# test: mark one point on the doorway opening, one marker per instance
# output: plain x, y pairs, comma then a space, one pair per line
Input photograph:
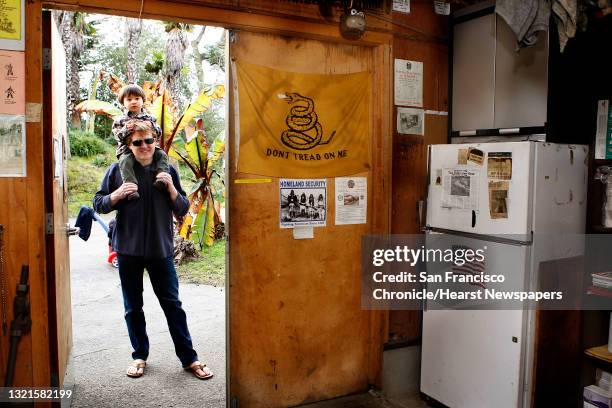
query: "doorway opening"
181, 68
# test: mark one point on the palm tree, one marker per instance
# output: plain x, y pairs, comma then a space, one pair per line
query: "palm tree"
198, 57
73, 29
133, 27
176, 44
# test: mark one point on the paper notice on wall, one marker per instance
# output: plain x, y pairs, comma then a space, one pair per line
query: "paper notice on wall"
12, 146
460, 188
410, 121
408, 83
401, 6
12, 18
476, 156
442, 8
499, 165
603, 135
303, 202
351, 200
498, 196
12, 82
462, 156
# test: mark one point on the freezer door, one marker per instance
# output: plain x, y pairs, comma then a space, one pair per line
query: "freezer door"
459, 198
473, 358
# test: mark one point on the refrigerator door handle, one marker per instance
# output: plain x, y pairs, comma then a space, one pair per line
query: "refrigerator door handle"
420, 211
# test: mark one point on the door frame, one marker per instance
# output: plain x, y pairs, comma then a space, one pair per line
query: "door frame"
230, 17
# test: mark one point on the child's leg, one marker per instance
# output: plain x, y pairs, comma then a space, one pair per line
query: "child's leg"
160, 160
126, 168
160, 163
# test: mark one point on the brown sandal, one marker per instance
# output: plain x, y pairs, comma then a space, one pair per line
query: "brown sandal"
194, 369
139, 366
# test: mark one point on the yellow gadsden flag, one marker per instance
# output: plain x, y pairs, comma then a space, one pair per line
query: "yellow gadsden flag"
302, 125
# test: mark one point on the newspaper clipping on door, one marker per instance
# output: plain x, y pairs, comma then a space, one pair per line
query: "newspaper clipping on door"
460, 188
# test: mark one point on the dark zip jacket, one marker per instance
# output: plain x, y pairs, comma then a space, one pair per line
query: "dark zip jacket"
144, 226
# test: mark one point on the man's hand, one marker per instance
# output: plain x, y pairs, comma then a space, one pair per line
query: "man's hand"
122, 192
166, 178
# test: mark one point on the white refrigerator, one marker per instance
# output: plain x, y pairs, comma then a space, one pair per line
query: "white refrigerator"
502, 196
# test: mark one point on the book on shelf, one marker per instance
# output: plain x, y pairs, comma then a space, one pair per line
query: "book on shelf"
602, 279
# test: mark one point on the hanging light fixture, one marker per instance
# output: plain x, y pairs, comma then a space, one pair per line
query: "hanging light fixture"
352, 23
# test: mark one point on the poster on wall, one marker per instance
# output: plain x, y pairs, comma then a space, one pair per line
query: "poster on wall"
410, 121
12, 82
303, 202
401, 6
12, 146
351, 200
12, 22
408, 83
302, 125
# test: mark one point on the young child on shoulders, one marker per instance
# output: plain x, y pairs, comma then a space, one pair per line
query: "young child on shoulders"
132, 98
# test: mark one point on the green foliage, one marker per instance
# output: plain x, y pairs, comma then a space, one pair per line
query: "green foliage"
83, 181
215, 54
207, 270
155, 62
103, 129
103, 160
85, 144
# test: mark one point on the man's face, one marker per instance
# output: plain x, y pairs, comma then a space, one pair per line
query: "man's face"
133, 103
144, 152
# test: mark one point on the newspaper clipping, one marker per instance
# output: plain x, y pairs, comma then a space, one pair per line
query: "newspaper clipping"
498, 194
303, 202
351, 200
499, 165
460, 188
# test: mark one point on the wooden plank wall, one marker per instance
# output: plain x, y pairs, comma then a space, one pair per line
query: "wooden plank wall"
23, 206
297, 331
22, 212
410, 152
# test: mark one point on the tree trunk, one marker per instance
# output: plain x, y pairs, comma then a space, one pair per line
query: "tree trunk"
69, 34
175, 59
198, 58
133, 27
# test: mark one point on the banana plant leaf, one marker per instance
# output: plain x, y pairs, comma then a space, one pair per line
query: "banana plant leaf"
204, 224
114, 83
197, 150
98, 107
161, 111
197, 107
152, 91
216, 152
196, 200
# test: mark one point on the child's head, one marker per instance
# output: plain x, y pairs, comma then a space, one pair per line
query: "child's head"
141, 127
132, 97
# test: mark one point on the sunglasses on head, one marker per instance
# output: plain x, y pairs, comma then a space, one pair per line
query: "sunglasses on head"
148, 141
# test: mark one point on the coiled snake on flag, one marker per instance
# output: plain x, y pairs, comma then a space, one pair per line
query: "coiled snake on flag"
302, 119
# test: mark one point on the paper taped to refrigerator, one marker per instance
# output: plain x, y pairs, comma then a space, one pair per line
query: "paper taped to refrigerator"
460, 188
499, 165
498, 195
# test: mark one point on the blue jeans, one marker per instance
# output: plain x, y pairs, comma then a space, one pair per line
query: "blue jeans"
165, 285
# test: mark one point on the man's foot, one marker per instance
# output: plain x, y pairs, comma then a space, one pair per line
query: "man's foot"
133, 196
200, 370
136, 368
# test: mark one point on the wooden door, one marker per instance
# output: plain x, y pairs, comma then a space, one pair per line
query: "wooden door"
297, 333
56, 194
